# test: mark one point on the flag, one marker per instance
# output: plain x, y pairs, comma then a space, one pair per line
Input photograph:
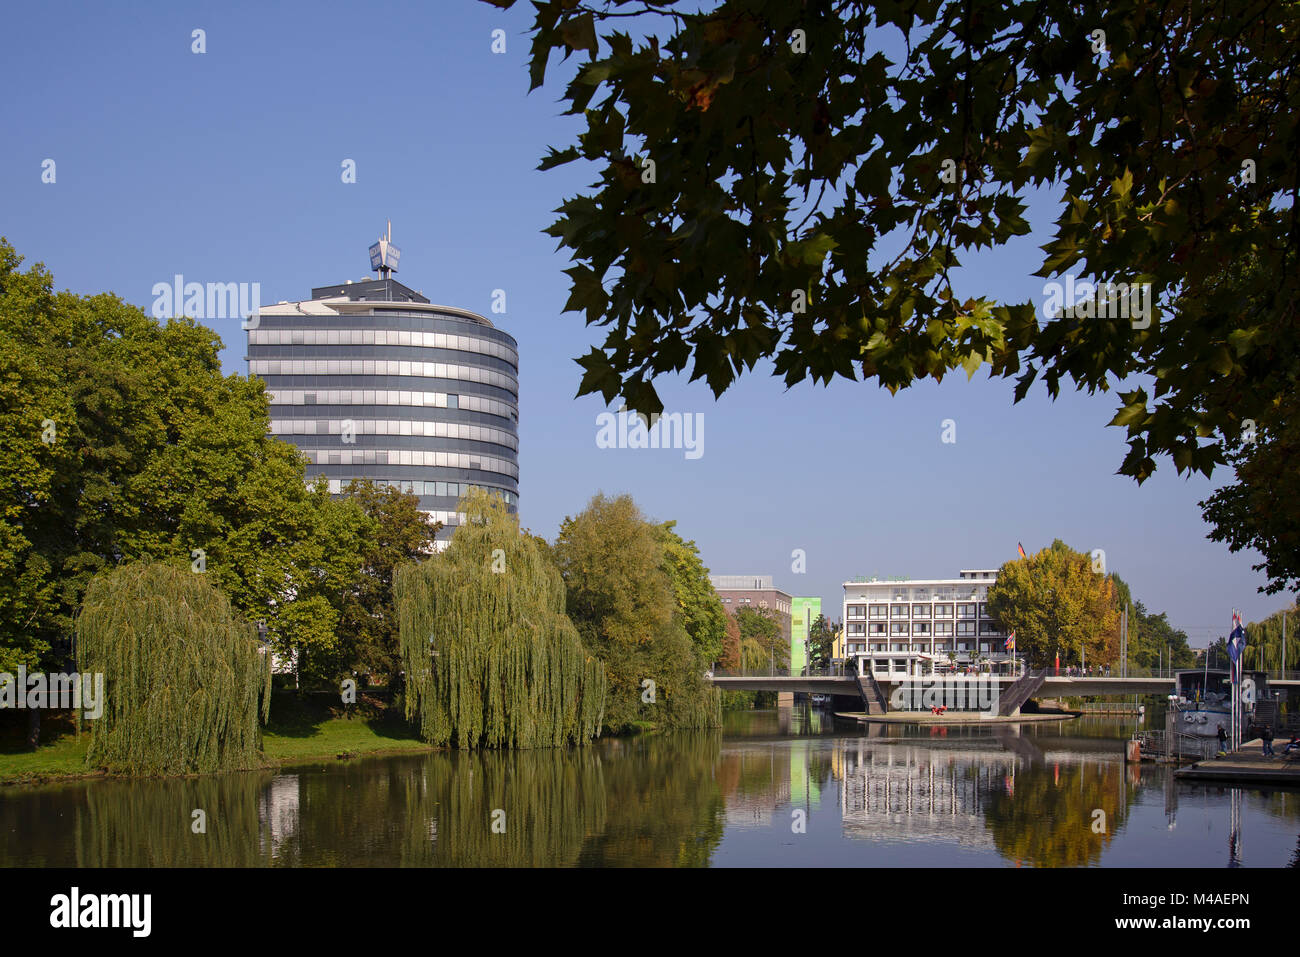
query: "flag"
1011, 642
1022, 550
1237, 638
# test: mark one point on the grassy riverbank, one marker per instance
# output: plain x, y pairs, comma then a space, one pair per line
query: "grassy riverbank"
301, 730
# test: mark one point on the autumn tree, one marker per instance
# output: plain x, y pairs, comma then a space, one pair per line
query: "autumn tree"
1057, 604
730, 658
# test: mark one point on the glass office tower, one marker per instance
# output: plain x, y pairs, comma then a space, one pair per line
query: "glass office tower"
370, 380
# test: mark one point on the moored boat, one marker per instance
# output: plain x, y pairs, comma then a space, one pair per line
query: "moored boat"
1203, 700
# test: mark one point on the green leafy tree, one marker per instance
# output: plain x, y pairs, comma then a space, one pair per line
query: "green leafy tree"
1152, 640
1217, 654
1056, 603
30, 611
490, 657
127, 443
761, 633
1158, 642
398, 532
1261, 510
797, 182
621, 599
821, 641
698, 604
1264, 642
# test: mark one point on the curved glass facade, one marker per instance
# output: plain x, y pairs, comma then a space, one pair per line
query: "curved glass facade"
372, 381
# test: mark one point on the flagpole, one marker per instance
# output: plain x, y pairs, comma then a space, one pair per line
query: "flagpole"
1232, 680
1232, 687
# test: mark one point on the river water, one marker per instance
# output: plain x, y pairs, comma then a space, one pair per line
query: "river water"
787, 787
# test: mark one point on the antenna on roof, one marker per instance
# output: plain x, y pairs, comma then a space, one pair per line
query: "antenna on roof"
384, 255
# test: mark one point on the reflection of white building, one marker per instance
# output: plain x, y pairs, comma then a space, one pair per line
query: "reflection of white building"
911, 627
277, 811
747, 811
915, 793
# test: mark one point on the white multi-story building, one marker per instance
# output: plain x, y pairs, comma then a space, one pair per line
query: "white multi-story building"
918, 625
372, 381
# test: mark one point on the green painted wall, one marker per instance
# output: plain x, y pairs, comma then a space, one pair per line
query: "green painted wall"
803, 612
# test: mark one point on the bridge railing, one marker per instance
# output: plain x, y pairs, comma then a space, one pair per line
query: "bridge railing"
1177, 743
838, 671
1136, 671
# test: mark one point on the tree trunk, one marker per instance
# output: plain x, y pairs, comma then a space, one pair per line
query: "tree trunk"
33, 728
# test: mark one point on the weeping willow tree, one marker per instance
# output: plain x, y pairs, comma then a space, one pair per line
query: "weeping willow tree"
183, 674
491, 659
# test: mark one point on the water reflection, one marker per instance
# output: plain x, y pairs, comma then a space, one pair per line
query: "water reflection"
778, 787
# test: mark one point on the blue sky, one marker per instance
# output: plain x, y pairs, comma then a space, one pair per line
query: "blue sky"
225, 167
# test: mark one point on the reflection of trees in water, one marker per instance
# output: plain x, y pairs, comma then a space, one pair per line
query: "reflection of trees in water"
821, 764
644, 801
551, 800
1046, 818
756, 774
665, 805
149, 823
1283, 804
437, 810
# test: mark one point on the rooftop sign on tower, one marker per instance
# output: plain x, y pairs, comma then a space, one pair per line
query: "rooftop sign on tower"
384, 255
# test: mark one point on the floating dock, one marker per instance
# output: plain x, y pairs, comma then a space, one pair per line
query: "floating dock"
1247, 765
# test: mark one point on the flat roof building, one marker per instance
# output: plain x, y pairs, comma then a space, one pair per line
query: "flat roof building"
754, 591
905, 623
372, 381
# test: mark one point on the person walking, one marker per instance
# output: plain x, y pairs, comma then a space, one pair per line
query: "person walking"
1223, 740
1266, 735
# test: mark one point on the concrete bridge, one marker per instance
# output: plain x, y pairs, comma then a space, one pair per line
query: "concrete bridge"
1052, 686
